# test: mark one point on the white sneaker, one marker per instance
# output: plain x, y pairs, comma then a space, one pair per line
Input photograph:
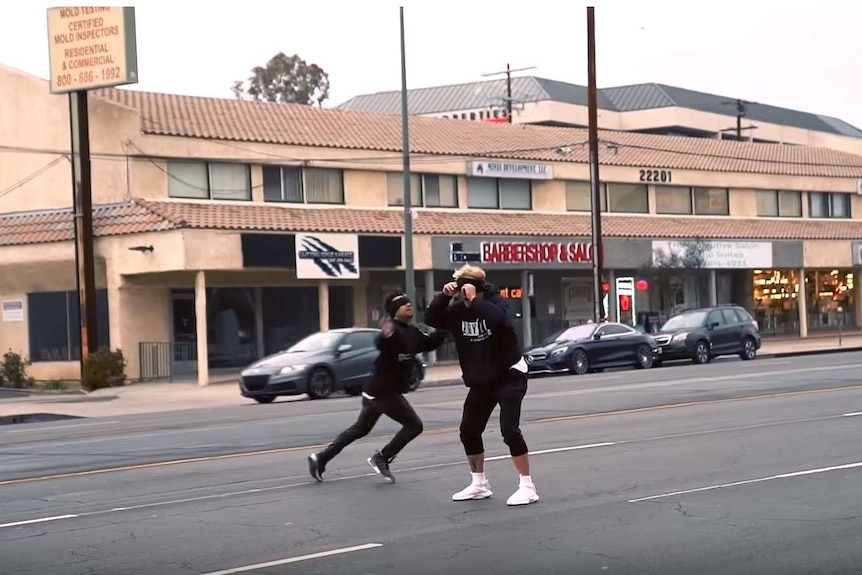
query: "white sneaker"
481, 491
525, 495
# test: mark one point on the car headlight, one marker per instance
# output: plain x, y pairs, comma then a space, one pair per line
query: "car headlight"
559, 351
292, 369
680, 336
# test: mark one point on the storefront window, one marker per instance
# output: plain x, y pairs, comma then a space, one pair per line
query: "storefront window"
830, 299
776, 294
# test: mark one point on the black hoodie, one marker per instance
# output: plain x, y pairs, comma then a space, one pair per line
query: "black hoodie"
393, 368
484, 335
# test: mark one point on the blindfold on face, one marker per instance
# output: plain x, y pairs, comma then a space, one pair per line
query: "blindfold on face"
479, 284
396, 303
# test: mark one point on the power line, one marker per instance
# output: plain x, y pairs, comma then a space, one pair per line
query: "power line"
27, 179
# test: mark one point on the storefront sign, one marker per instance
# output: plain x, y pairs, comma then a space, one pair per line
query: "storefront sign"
625, 300
518, 170
857, 253
721, 255
523, 253
12, 310
327, 256
511, 292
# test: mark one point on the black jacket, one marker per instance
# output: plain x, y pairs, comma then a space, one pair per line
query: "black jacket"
484, 335
393, 368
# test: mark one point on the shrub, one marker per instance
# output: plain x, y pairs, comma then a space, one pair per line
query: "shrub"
13, 371
103, 368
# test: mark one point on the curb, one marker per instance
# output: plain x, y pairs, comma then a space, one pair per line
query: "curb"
804, 352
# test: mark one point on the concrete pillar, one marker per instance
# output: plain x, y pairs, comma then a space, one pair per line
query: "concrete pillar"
526, 310
611, 311
323, 305
430, 289
201, 328
802, 305
713, 288
258, 322
360, 305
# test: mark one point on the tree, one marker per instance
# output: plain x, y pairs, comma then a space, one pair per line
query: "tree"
285, 79
668, 269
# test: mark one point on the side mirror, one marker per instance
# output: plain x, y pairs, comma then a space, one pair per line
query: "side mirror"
713, 325
597, 336
344, 347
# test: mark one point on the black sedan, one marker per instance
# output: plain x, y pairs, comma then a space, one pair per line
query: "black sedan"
318, 365
592, 347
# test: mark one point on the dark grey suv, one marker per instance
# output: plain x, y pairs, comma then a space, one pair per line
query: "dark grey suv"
320, 364
704, 333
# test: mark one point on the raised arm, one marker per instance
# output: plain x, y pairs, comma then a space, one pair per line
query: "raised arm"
438, 314
491, 308
430, 342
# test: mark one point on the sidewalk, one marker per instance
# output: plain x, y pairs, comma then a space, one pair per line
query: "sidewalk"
159, 397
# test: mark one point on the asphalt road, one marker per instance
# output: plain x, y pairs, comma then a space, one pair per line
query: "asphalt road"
727, 468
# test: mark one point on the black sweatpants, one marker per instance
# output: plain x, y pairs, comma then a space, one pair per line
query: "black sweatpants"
395, 407
480, 403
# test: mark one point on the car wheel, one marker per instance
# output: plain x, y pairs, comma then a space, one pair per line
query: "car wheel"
749, 349
701, 353
265, 398
320, 384
580, 363
645, 357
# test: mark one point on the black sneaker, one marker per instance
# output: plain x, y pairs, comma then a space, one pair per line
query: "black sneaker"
315, 467
381, 466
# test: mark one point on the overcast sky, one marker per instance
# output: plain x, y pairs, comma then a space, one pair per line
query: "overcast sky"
795, 54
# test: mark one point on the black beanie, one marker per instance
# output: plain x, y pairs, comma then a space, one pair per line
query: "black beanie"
394, 302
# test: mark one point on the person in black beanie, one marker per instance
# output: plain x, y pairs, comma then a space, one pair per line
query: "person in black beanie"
493, 369
399, 341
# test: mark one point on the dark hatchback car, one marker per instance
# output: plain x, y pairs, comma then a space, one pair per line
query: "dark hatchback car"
591, 347
702, 334
320, 364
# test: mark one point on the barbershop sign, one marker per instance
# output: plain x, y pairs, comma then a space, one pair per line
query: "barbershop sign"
511, 170
522, 253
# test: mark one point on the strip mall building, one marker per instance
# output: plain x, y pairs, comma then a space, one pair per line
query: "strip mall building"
211, 215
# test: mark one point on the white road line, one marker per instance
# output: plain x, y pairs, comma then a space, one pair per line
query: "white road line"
41, 520
555, 450
749, 481
55, 427
295, 559
852, 414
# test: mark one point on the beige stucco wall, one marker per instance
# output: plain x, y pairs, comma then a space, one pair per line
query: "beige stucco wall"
827, 254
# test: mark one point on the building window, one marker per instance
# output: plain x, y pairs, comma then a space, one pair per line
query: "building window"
209, 180
579, 197
828, 205
674, 200
779, 204
55, 332
711, 202
428, 190
497, 193
293, 184
627, 198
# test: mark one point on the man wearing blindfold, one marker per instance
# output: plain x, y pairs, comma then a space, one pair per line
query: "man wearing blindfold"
399, 341
493, 369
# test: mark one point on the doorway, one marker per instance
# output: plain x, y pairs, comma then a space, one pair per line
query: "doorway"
183, 345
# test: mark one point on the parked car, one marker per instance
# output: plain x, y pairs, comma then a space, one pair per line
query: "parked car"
320, 364
704, 333
592, 347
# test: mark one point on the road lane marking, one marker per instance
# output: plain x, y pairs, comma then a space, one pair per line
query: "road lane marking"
852, 414
55, 427
297, 559
750, 481
250, 491
439, 431
40, 520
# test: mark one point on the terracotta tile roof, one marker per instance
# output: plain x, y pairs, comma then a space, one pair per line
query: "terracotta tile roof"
45, 227
292, 124
147, 216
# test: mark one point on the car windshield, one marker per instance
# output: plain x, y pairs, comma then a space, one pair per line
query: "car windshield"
315, 342
689, 320
572, 333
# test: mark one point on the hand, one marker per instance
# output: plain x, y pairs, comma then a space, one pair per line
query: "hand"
450, 289
469, 292
386, 327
